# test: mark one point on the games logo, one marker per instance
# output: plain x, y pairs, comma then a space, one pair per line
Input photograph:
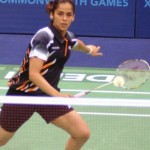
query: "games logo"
102, 3
29, 2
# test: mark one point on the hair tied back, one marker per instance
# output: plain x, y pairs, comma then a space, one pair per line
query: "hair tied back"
49, 6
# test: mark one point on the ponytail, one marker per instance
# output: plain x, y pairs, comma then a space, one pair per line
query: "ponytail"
53, 4
49, 7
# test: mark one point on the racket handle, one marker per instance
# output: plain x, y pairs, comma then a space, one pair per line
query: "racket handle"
81, 94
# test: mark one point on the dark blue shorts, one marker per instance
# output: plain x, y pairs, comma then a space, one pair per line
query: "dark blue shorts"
12, 116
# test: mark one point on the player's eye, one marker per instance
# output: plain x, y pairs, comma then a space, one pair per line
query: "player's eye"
69, 14
60, 14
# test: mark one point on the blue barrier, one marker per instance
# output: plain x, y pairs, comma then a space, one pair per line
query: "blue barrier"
115, 51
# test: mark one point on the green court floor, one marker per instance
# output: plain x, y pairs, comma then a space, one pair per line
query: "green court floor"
112, 128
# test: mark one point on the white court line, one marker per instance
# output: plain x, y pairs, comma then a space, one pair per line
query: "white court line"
114, 114
10, 74
97, 91
3, 88
101, 91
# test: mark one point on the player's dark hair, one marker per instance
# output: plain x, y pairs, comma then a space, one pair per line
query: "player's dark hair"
53, 5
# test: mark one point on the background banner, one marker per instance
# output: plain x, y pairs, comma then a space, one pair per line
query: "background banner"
143, 19
105, 18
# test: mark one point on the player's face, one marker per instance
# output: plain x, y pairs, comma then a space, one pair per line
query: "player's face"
62, 17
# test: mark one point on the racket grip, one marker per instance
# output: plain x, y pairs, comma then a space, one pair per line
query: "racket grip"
80, 94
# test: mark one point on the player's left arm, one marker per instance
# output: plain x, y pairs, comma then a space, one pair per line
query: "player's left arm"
89, 49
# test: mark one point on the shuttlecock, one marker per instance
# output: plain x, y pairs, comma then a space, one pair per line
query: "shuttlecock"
118, 81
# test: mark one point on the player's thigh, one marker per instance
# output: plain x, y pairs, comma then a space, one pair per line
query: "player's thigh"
73, 123
5, 136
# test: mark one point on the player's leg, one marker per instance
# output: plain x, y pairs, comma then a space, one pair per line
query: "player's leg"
5, 136
73, 123
7, 120
11, 119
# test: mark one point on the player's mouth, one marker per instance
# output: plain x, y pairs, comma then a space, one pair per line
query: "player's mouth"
64, 25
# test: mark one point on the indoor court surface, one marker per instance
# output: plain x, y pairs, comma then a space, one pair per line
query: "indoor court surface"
112, 128
119, 119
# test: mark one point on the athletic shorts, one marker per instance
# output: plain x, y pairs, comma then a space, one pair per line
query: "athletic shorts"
12, 116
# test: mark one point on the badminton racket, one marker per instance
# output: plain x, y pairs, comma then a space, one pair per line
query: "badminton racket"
134, 73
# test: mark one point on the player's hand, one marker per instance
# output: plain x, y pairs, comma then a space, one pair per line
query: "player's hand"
94, 50
65, 95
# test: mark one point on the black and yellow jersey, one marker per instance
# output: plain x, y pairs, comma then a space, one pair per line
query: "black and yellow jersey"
48, 45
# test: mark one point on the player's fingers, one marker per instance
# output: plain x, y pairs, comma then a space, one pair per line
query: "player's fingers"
98, 47
97, 54
100, 54
68, 95
96, 50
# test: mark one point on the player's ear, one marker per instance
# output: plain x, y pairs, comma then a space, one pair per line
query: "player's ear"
51, 16
73, 18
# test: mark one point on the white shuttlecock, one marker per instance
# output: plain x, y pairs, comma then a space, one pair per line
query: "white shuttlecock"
119, 81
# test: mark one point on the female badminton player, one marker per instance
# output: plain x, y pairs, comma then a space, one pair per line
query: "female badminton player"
39, 74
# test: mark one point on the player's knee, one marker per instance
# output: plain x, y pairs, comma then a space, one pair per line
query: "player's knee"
84, 134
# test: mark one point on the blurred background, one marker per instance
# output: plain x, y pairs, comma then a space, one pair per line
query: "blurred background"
120, 27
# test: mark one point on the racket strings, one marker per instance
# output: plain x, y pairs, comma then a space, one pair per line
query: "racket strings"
134, 72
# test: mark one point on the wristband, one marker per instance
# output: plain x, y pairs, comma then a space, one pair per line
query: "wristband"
91, 50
